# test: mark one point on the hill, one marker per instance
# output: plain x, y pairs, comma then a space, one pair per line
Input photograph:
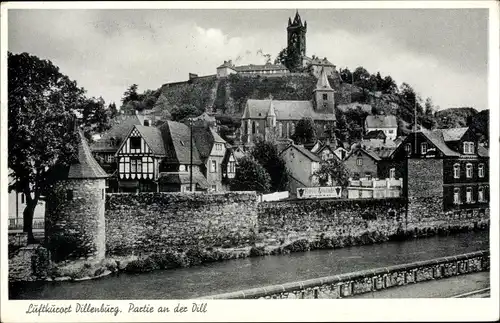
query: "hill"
226, 97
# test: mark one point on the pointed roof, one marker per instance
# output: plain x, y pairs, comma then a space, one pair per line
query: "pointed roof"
152, 137
120, 128
437, 138
176, 140
86, 167
304, 151
453, 134
323, 84
271, 112
297, 19
204, 139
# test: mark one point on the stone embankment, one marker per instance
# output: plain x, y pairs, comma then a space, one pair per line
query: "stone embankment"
345, 285
151, 231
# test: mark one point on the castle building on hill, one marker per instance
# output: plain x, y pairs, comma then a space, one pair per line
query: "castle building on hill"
296, 49
279, 118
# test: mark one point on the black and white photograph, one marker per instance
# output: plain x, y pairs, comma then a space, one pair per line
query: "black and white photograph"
234, 152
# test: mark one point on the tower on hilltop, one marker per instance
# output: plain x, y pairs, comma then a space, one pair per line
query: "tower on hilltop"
296, 47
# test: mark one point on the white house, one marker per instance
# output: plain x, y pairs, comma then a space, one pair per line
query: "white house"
386, 123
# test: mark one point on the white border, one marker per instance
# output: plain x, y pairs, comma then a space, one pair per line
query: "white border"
281, 310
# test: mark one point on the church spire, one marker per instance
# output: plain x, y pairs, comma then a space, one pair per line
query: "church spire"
323, 82
271, 114
297, 20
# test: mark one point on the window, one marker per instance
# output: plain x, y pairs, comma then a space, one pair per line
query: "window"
214, 187
456, 195
218, 147
468, 147
480, 170
391, 131
468, 195
368, 175
253, 127
22, 198
135, 165
325, 96
456, 171
423, 148
69, 195
146, 123
231, 167
108, 158
468, 170
392, 173
480, 194
213, 166
102, 193
408, 148
135, 143
359, 162
292, 131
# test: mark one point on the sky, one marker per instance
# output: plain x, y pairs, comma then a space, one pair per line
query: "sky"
441, 53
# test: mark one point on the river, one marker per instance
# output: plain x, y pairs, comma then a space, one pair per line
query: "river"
238, 274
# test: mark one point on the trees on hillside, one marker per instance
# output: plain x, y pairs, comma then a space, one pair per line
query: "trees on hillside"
305, 132
41, 106
180, 113
250, 176
266, 153
289, 57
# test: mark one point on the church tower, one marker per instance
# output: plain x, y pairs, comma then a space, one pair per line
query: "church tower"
296, 40
324, 99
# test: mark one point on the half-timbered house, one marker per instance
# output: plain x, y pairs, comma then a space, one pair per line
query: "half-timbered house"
154, 159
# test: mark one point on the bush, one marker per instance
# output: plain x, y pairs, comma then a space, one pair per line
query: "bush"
141, 265
257, 251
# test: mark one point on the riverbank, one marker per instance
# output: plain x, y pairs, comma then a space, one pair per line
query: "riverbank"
32, 264
251, 272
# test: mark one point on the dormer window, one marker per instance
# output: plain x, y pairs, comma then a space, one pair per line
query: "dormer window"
468, 147
146, 123
408, 148
423, 148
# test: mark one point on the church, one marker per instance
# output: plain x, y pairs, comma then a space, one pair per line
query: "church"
278, 118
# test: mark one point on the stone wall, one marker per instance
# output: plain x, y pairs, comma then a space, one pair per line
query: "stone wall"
74, 225
350, 222
155, 222
371, 280
315, 218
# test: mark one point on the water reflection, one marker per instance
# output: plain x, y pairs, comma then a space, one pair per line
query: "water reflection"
252, 272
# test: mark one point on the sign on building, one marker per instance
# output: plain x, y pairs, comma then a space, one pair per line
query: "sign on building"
319, 192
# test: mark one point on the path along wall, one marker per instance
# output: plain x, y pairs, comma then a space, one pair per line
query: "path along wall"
153, 222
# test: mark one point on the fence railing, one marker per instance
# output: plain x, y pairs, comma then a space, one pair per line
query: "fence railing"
17, 224
371, 280
388, 182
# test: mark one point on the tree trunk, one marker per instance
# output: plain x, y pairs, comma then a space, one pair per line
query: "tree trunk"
28, 213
